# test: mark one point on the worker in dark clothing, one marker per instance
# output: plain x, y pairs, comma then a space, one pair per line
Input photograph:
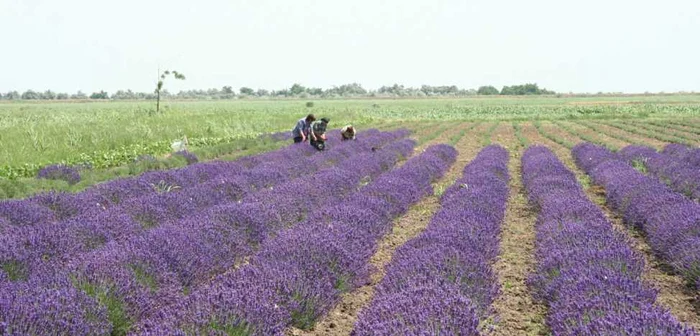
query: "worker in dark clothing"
301, 129
317, 133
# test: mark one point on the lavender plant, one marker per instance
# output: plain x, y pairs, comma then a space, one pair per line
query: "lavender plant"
670, 221
59, 172
587, 273
442, 281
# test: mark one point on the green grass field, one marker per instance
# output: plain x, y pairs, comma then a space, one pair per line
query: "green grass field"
109, 135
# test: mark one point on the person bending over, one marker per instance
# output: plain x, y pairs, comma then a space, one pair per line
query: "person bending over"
301, 129
317, 134
347, 133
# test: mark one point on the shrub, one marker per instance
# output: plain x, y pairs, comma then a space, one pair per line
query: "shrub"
60, 172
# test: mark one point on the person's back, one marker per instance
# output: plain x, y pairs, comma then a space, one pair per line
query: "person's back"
347, 133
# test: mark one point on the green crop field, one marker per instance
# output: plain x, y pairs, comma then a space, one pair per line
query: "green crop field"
108, 136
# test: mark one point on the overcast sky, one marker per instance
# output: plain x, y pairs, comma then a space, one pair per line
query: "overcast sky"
579, 46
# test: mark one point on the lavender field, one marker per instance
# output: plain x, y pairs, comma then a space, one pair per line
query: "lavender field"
433, 228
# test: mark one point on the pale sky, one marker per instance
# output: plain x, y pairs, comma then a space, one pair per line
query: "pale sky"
579, 46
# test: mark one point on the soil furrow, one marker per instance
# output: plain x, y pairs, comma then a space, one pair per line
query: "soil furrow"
516, 311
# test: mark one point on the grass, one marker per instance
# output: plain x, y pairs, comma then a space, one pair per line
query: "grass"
634, 129
594, 128
23, 187
110, 135
665, 130
42, 133
586, 137
674, 126
552, 137
522, 140
116, 312
486, 140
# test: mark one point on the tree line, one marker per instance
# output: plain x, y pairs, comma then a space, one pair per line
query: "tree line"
295, 91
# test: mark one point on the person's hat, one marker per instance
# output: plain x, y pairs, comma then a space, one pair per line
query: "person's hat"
325, 120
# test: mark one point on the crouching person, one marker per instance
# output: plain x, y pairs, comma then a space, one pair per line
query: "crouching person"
347, 133
317, 133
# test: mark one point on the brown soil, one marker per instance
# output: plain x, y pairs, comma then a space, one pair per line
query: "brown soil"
517, 313
341, 320
673, 294
638, 139
597, 135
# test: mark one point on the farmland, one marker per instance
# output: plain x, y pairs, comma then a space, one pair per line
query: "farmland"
515, 216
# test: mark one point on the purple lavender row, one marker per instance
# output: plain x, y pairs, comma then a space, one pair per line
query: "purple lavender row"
57, 206
676, 173
442, 280
690, 155
587, 273
670, 221
137, 278
299, 275
51, 245
182, 256
56, 243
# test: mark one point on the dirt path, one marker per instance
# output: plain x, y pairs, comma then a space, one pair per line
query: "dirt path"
673, 293
634, 138
517, 312
341, 320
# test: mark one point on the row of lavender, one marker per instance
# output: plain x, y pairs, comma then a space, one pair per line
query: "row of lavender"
670, 221
586, 272
677, 173
133, 278
441, 282
28, 247
690, 155
299, 275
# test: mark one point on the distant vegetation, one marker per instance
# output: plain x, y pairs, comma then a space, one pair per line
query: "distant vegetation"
294, 91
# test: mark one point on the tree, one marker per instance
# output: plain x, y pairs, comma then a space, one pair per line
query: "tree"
159, 86
524, 89
48, 94
78, 95
246, 91
260, 92
227, 90
487, 90
99, 95
62, 96
13, 95
297, 89
30, 95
